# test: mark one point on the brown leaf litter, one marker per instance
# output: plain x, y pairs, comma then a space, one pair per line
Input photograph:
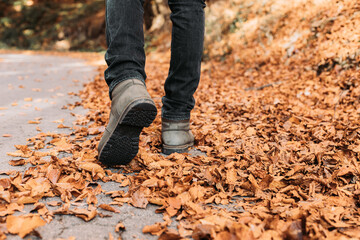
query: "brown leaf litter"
282, 161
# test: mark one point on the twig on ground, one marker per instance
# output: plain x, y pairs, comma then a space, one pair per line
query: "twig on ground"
263, 86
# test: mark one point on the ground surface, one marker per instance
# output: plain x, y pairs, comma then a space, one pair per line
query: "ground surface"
36, 87
277, 114
48, 80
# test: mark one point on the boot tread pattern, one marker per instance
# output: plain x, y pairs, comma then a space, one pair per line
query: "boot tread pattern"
123, 144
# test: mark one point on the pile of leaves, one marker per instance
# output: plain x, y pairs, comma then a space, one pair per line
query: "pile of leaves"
280, 128
318, 31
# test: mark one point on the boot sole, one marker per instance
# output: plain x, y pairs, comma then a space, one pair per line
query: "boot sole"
123, 143
167, 150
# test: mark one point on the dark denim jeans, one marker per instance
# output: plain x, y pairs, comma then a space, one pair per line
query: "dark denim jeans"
126, 57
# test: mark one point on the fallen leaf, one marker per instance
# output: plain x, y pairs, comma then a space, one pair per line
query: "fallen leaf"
33, 122
170, 234
156, 229
23, 225
139, 200
119, 226
91, 167
250, 131
108, 208
54, 203
18, 162
84, 214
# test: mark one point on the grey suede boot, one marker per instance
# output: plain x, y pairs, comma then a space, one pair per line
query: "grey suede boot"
131, 109
176, 136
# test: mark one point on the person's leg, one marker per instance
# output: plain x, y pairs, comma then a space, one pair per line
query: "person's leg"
188, 20
125, 55
132, 107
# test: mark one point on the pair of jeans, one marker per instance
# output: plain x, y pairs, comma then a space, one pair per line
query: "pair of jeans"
125, 55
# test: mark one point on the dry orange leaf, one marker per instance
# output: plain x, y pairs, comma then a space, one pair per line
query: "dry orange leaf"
53, 203
62, 126
156, 229
84, 214
53, 175
250, 131
119, 226
139, 200
170, 234
23, 225
107, 207
18, 162
5, 195
91, 167
63, 144
33, 122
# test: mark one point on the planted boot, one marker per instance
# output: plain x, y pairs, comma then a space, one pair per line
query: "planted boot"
176, 136
131, 109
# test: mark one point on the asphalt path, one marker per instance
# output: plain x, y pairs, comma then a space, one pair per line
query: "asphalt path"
36, 87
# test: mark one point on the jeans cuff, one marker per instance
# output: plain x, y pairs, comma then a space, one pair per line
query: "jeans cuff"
126, 77
175, 116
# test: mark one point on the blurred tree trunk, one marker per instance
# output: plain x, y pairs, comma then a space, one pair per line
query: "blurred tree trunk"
156, 14
5, 7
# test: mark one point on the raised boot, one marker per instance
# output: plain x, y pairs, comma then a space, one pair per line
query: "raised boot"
176, 136
131, 109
